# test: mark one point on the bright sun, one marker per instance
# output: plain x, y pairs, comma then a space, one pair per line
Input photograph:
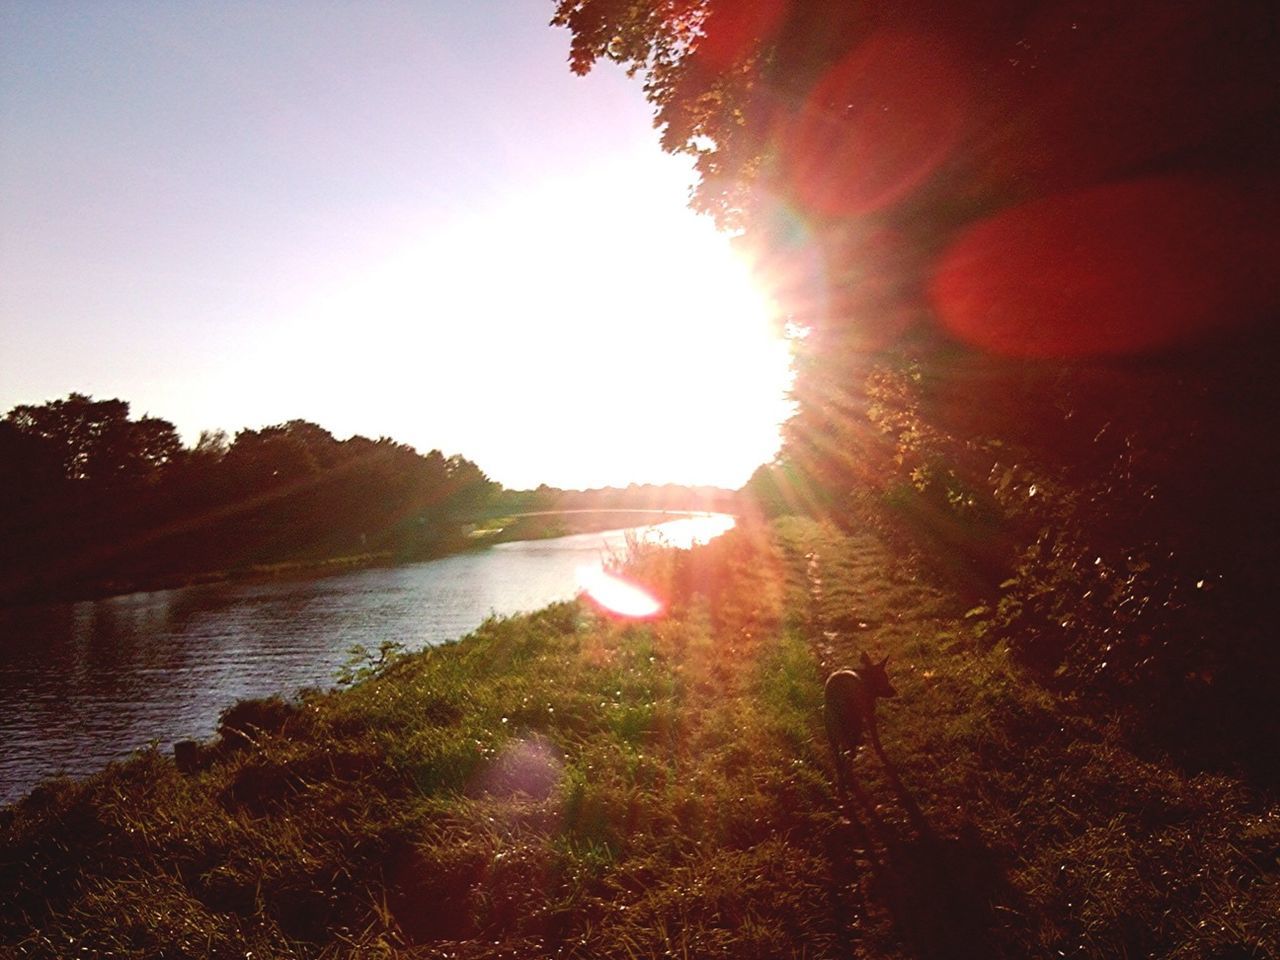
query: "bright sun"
552, 343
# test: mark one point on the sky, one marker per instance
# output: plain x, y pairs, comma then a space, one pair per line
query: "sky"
393, 219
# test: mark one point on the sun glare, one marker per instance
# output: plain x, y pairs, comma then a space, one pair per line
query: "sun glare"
567, 346
617, 595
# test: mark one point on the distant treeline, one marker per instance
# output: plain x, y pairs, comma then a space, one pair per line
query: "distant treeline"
94, 501
636, 496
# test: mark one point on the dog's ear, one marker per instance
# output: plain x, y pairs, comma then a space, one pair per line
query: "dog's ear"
885, 662
866, 661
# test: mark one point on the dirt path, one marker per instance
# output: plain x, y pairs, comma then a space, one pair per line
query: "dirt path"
858, 597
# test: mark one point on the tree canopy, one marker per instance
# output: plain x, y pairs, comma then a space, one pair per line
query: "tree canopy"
95, 440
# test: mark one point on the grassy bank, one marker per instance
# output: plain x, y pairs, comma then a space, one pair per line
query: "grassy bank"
566, 784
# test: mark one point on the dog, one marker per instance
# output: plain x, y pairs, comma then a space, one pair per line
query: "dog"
849, 709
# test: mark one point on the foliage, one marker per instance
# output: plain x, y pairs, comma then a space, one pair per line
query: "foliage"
96, 441
1112, 529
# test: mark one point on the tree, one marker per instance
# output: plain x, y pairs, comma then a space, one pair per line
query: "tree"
31, 468
271, 457
153, 445
211, 447
96, 440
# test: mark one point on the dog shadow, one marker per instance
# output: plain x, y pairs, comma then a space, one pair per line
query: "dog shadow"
947, 897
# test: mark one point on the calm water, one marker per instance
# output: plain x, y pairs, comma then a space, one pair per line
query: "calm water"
84, 683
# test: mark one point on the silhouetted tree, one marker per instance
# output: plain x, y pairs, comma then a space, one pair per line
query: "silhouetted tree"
270, 457
96, 440
31, 468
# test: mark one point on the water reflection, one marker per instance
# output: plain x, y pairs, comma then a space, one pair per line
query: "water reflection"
83, 683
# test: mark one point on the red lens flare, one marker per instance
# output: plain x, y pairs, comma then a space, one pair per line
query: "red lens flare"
617, 595
1117, 269
734, 29
877, 125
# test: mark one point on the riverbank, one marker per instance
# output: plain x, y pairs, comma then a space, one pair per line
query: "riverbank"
568, 784
549, 524
476, 536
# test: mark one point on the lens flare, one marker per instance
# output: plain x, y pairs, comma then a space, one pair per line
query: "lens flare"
617, 595
878, 125
1120, 268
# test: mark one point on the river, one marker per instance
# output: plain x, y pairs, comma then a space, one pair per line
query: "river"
84, 683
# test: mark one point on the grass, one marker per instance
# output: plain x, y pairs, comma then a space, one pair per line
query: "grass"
565, 784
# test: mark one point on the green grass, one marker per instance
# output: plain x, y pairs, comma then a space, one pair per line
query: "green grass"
566, 784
